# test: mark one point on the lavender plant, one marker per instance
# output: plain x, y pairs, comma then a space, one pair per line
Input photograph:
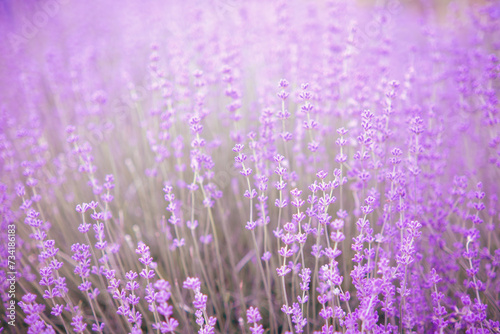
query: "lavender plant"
272, 167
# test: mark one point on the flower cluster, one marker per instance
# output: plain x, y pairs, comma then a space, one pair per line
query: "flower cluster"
206, 323
283, 166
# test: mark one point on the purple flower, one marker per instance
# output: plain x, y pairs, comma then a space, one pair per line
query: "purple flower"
78, 325
266, 256
253, 315
192, 283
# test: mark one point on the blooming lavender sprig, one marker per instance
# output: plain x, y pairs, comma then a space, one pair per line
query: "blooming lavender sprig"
284, 114
49, 271
33, 311
114, 285
174, 220
440, 311
310, 124
78, 325
251, 193
146, 260
132, 301
206, 323
83, 152
82, 257
158, 298
254, 317
404, 259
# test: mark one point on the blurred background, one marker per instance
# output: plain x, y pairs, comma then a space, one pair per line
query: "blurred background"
439, 6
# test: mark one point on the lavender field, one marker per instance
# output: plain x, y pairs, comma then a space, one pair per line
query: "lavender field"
258, 166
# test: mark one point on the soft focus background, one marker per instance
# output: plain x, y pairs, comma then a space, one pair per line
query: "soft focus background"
340, 160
